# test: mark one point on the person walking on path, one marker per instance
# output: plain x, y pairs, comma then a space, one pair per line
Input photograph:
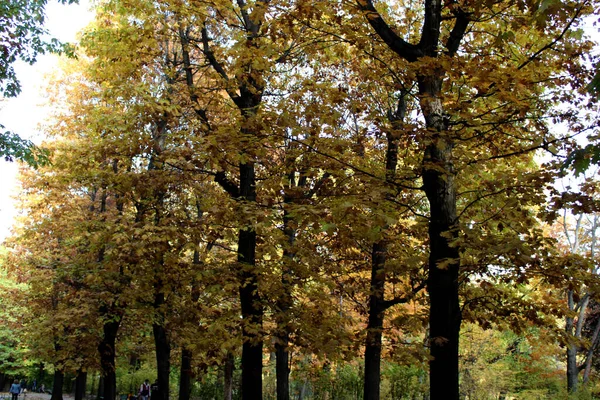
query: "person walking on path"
145, 390
15, 389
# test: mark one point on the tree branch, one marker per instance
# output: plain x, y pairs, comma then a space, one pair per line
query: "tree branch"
404, 299
458, 32
230, 187
406, 50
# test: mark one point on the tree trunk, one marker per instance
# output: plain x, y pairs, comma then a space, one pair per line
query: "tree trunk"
282, 370
284, 304
100, 395
378, 274
163, 350
572, 370
228, 368
375, 324
185, 374
590, 353
57, 386
108, 388
250, 302
444, 262
80, 382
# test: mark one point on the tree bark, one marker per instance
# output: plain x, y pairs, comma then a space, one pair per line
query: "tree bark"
185, 374
163, 349
444, 262
282, 370
106, 349
375, 324
572, 369
378, 273
80, 382
100, 394
252, 312
57, 385
284, 304
228, 369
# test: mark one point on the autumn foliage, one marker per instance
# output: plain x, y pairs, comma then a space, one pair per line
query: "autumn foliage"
331, 186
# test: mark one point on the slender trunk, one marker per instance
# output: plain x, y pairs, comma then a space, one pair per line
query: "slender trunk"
106, 349
228, 368
80, 382
375, 324
100, 394
250, 302
282, 369
444, 262
284, 304
572, 370
57, 386
378, 274
163, 348
185, 374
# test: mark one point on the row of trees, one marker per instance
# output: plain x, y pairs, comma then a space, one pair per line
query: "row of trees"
328, 177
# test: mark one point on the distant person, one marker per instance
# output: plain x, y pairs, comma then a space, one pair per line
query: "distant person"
34, 385
42, 388
144, 390
15, 389
154, 390
23, 385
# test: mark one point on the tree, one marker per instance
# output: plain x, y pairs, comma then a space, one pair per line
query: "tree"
450, 45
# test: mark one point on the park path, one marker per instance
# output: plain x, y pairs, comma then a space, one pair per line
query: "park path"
32, 396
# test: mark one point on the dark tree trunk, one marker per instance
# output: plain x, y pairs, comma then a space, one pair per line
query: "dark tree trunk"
282, 370
444, 262
378, 274
108, 388
163, 351
185, 374
100, 388
80, 382
252, 319
375, 324
284, 304
57, 385
572, 370
228, 369
440, 189
252, 312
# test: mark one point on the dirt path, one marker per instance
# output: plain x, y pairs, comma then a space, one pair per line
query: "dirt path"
32, 396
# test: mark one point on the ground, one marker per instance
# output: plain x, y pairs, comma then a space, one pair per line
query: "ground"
32, 396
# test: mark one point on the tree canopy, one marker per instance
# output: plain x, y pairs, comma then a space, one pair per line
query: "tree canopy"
331, 183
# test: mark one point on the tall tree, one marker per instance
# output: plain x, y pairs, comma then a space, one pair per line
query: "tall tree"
436, 57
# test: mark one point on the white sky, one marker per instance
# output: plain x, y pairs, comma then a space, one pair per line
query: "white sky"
24, 113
